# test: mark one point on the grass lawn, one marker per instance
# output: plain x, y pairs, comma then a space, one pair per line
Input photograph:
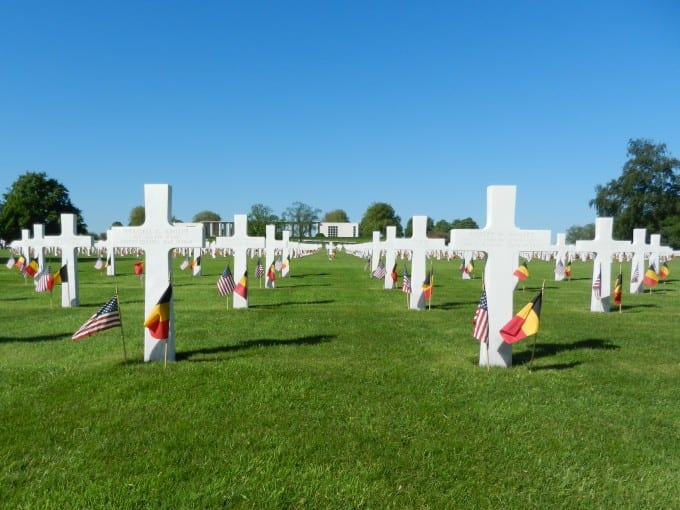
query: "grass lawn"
327, 392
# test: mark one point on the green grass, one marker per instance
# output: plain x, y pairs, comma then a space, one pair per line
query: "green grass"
328, 393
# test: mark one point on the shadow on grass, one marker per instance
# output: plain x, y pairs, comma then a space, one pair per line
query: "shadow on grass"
288, 303
454, 305
40, 338
250, 344
545, 350
307, 274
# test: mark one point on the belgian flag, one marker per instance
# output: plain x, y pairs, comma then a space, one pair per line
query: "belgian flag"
522, 272
525, 322
428, 284
158, 320
618, 289
651, 278
664, 271
242, 286
61, 276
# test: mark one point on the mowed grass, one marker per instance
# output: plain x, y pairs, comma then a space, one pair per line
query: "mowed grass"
329, 393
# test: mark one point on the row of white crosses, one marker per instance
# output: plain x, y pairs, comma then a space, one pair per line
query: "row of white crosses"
68, 242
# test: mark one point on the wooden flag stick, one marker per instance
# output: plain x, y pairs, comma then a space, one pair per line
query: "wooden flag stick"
617, 280
533, 350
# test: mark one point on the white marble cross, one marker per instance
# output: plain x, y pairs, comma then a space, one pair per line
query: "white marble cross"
157, 236
375, 251
502, 241
560, 251
605, 247
637, 264
390, 254
271, 246
69, 242
23, 244
419, 245
37, 243
240, 243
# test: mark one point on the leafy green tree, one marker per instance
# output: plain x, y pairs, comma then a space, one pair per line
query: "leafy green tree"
206, 216
647, 195
137, 216
301, 218
409, 226
258, 218
336, 216
36, 198
576, 233
464, 223
378, 216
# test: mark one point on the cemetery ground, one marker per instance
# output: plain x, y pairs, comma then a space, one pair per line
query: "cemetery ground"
327, 392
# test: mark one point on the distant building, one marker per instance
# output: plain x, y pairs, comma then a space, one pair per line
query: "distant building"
339, 229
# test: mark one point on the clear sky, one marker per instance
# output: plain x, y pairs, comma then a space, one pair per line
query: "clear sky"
337, 104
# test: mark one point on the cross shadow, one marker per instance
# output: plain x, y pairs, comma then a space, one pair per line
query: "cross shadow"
544, 350
39, 338
250, 344
454, 305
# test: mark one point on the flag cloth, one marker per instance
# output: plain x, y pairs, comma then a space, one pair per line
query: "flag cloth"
285, 265
428, 284
20, 262
278, 264
597, 285
11, 262
664, 271
651, 279
107, 317
567, 270
406, 285
225, 283
481, 320
44, 280
271, 276
618, 289
635, 276
108, 261
394, 274
61, 276
196, 266
379, 272
139, 268
559, 269
522, 271
158, 320
32, 267
259, 269
184, 264
524, 323
99, 264
242, 286
469, 268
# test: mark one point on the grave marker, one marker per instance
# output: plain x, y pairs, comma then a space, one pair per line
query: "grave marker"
502, 241
157, 236
637, 264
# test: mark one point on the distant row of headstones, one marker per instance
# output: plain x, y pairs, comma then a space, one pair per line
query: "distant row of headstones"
500, 240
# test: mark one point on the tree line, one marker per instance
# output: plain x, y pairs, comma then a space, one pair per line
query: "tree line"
645, 195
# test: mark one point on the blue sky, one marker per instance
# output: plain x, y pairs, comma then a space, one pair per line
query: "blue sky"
336, 104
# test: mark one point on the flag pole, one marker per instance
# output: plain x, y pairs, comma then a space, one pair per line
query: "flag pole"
621, 274
429, 301
488, 362
122, 334
533, 350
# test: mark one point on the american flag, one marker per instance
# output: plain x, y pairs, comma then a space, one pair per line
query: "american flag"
107, 317
379, 271
406, 285
259, 269
225, 284
42, 280
184, 264
636, 275
481, 320
99, 264
597, 286
559, 269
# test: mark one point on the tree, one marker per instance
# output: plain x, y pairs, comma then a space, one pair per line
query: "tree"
301, 217
378, 216
137, 216
408, 232
36, 198
647, 195
206, 216
464, 223
575, 233
336, 216
259, 217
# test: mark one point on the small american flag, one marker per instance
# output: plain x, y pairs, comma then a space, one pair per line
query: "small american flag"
259, 269
107, 317
406, 285
226, 284
379, 271
42, 280
597, 286
559, 269
636, 275
481, 320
